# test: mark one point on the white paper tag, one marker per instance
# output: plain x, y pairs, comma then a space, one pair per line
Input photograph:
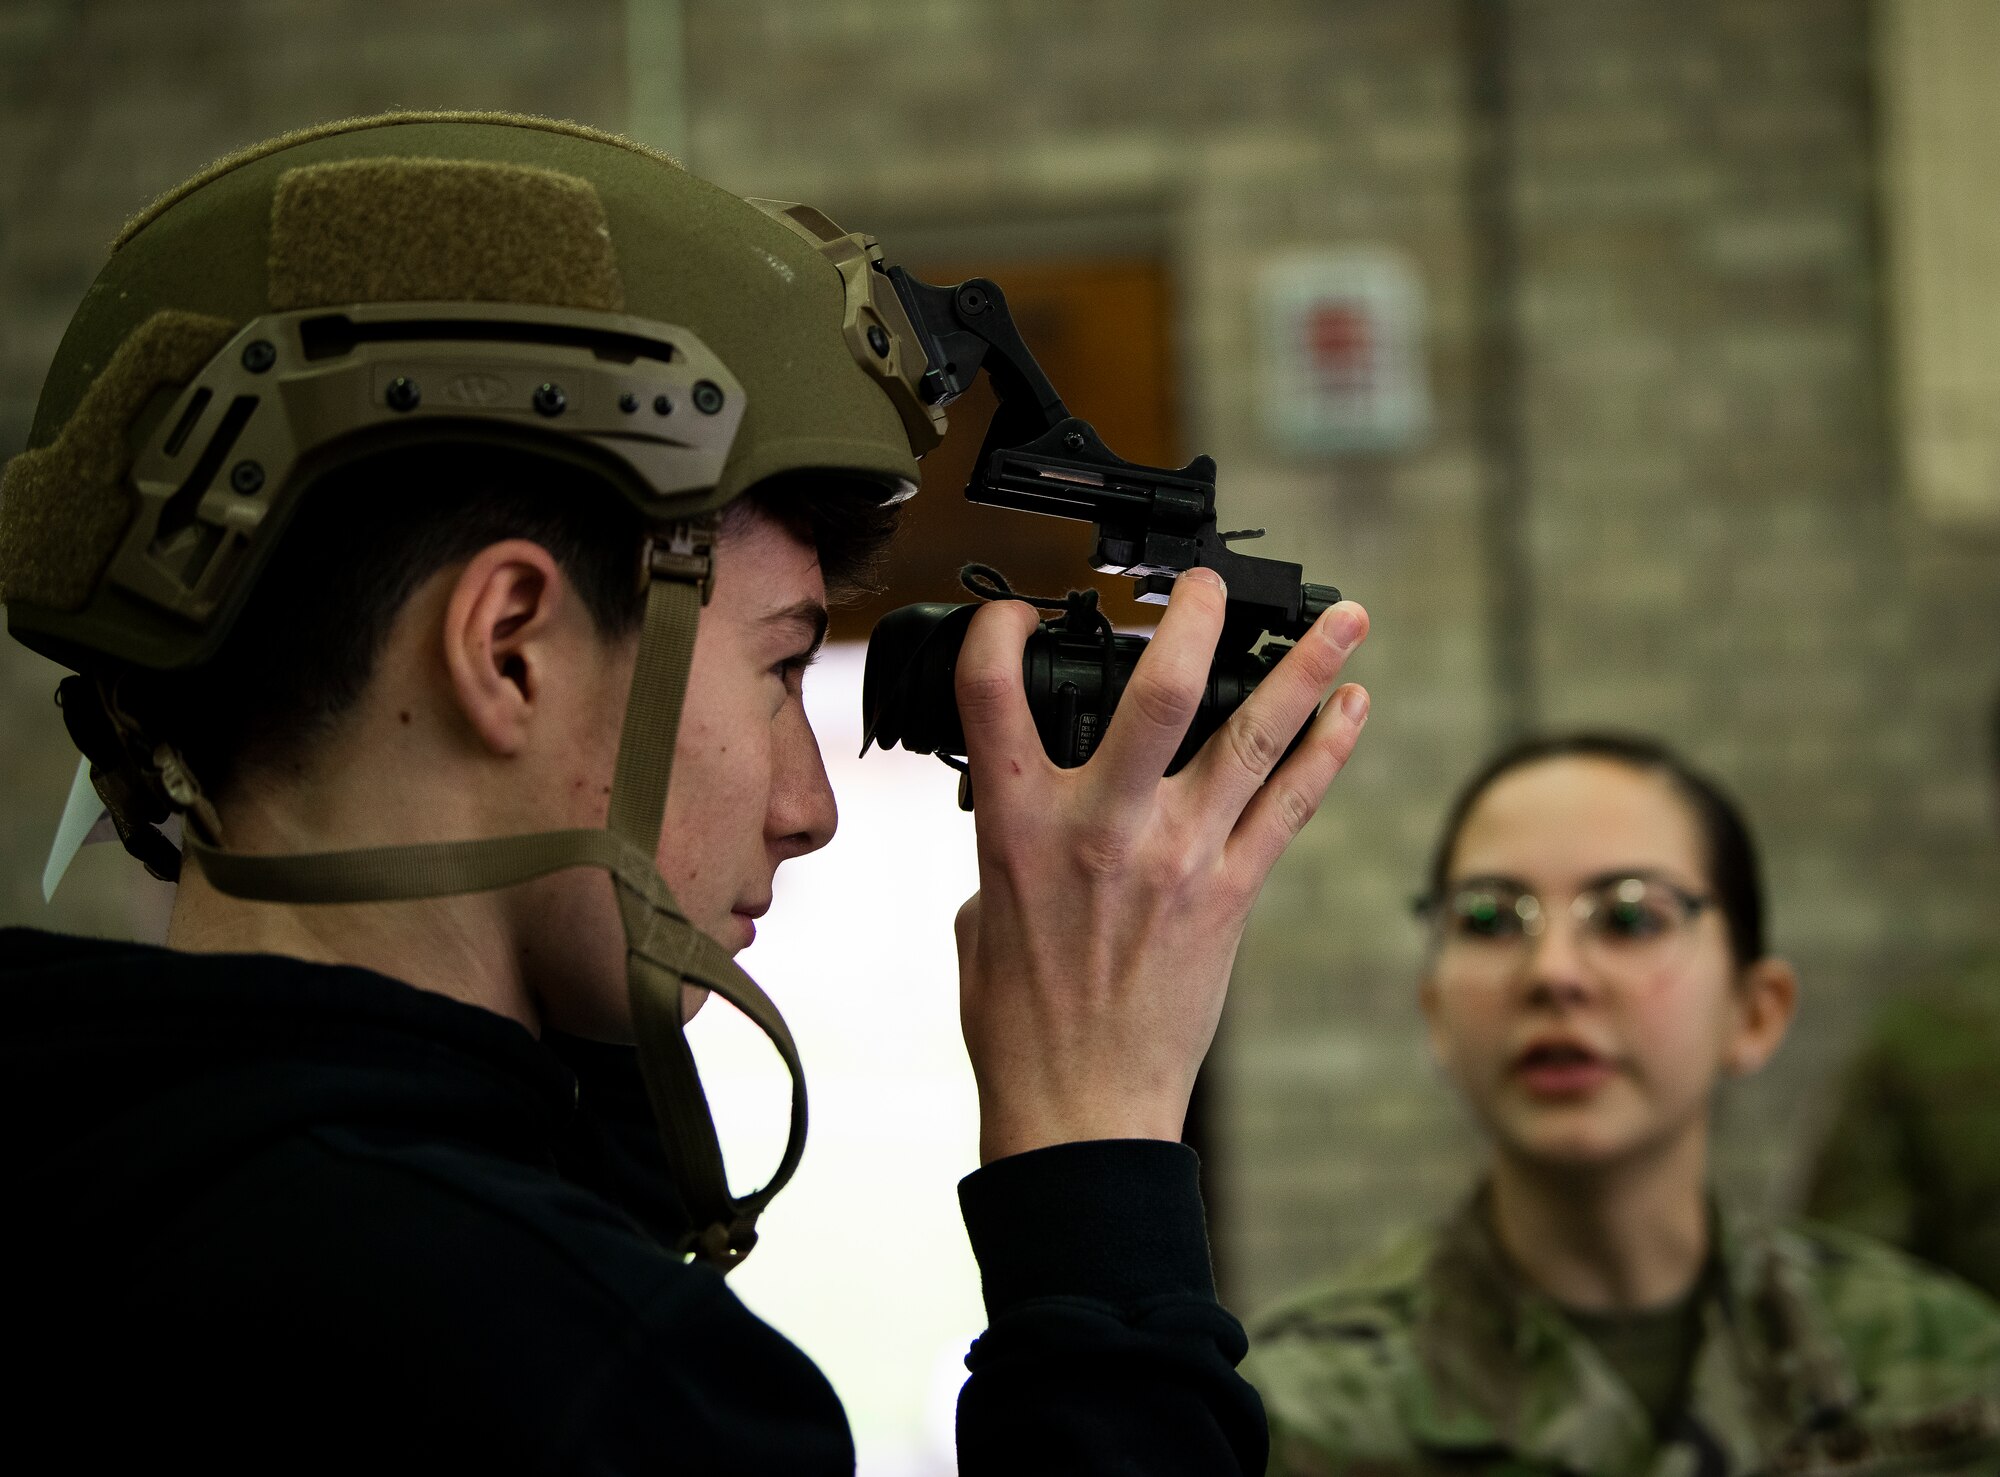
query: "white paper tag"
84, 820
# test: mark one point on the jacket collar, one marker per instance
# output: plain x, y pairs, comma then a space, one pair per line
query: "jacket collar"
612, 1144
245, 1047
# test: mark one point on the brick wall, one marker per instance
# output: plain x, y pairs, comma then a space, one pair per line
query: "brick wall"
1719, 548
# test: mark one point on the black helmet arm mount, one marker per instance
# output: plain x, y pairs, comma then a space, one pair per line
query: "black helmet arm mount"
1152, 523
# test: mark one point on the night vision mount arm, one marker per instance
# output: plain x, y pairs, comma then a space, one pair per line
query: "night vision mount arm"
1152, 523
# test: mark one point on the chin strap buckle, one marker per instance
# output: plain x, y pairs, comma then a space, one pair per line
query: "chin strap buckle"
723, 1246
684, 552
181, 787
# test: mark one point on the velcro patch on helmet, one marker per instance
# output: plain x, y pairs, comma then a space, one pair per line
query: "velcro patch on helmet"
64, 506
439, 230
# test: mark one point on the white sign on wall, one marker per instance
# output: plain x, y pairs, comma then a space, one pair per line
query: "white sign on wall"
1940, 88
1341, 352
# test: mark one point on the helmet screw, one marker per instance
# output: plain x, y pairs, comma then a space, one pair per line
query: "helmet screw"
1073, 440
972, 300
550, 399
403, 393
878, 341
259, 355
707, 397
628, 402
246, 477
662, 405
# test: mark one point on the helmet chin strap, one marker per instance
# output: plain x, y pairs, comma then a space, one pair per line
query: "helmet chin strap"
664, 952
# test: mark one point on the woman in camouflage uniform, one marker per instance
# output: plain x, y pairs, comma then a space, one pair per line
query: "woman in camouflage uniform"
1597, 968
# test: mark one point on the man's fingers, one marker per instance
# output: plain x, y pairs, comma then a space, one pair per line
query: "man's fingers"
1000, 738
1166, 687
1238, 758
1293, 793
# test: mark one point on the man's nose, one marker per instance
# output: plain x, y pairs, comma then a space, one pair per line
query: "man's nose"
803, 813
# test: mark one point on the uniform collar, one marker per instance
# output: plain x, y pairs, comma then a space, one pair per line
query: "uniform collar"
1507, 1371
1772, 1378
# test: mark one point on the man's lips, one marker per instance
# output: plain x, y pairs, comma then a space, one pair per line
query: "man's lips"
1561, 1068
747, 917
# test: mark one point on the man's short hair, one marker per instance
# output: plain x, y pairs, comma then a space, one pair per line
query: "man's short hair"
369, 533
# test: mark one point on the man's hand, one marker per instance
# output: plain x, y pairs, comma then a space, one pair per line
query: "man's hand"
1094, 958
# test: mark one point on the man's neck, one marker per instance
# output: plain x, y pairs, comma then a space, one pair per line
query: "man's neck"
450, 946
1608, 1240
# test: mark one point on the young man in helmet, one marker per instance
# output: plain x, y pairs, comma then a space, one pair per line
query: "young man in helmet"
439, 512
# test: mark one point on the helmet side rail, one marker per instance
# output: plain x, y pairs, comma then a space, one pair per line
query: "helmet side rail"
645, 404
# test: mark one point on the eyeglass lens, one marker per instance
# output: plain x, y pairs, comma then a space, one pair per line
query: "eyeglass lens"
1621, 918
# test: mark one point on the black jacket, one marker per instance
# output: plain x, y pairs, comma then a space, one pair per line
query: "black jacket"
280, 1215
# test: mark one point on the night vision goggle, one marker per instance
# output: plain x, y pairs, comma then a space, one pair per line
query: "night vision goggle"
927, 343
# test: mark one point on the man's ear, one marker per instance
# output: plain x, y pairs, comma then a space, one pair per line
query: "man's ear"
1767, 997
502, 609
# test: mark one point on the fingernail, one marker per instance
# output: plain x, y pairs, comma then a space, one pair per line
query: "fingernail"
1345, 628
1206, 577
1354, 704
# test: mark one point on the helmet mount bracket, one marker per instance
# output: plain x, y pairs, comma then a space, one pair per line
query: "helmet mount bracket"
1153, 523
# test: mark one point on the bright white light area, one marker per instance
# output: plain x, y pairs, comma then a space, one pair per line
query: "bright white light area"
863, 1260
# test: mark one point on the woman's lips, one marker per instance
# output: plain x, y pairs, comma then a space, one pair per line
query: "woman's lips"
1560, 1070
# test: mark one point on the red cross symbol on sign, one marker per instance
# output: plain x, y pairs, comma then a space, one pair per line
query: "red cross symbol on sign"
1340, 342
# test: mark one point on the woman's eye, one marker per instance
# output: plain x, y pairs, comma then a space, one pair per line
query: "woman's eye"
1487, 919
1633, 921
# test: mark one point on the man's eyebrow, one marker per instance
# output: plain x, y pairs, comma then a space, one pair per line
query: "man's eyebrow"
807, 613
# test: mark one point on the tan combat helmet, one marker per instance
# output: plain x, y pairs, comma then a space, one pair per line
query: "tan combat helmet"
452, 277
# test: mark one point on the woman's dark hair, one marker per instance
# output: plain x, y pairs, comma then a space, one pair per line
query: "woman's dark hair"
1733, 873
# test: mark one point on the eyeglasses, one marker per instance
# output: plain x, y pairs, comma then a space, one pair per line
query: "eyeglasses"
1623, 924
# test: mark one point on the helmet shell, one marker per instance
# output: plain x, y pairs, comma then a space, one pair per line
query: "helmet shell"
442, 208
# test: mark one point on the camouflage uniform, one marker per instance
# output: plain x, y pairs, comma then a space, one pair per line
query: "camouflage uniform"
1820, 1353
1914, 1156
